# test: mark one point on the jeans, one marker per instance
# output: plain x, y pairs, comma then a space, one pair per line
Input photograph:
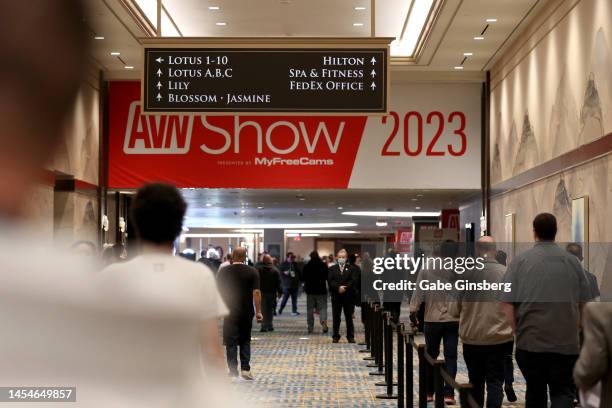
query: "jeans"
231, 352
344, 303
237, 333
485, 365
547, 371
316, 302
448, 333
293, 292
268, 300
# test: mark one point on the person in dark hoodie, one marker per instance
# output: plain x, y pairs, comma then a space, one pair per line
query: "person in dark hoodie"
270, 282
314, 277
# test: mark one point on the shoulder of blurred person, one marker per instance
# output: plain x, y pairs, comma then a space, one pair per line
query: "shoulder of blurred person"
595, 360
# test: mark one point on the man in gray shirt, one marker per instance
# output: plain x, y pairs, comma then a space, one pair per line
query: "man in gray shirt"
544, 309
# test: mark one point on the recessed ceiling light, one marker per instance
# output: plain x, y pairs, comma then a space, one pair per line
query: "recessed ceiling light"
417, 208
214, 7
260, 207
419, 195
414, 199
491, 20
359, 8
341, 208
98, 37
115, 53
209, 204
468, 54
459, 67
221, 23
128, 67
302, 198
381, 223
478, 38
242, 211
357, 24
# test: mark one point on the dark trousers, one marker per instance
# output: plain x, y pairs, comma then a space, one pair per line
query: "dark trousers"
485, 365
545, 372
293, 292
344, 303
448, 333
509, 365
237, 333
268, 301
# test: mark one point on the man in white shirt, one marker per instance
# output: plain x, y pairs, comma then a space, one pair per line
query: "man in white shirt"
158, 280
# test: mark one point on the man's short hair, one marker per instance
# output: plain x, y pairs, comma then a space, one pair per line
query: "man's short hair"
545, 226
342, 251
575, 249
158, 212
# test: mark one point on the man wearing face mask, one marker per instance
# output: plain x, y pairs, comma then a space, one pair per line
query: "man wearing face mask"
342, 280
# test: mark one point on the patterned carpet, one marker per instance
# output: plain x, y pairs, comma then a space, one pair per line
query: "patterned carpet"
296, 369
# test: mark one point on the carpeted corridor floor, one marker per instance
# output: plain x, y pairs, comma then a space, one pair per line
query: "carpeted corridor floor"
295, 369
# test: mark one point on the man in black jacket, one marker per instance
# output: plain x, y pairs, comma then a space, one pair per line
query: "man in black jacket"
314, 276
290, 277
270, 282
342, 280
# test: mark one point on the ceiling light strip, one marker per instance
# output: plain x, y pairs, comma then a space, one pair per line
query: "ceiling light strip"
372, 18
408, 14
171, 20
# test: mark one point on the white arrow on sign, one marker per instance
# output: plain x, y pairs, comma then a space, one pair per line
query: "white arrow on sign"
160, 60
373, 86
373, 73
373, 60
159, 97
159, 85
158, 72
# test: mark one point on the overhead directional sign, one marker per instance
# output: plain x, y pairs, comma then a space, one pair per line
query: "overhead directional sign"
340, 80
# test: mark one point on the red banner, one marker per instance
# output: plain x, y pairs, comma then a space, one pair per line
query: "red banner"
227, 151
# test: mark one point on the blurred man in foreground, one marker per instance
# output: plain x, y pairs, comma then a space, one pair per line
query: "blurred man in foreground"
60, 326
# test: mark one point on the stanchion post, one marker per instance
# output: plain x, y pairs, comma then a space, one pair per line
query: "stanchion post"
388, 330
378, 341
366, 328
422, 376
438, 384
400, 365
409, 372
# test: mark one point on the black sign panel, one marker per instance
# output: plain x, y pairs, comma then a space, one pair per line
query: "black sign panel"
265, 80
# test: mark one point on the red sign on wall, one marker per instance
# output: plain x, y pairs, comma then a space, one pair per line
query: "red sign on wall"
227, 151
430, 130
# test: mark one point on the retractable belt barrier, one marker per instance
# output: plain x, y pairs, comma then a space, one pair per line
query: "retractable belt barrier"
379, 336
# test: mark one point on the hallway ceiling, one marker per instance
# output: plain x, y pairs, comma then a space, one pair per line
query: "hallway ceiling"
219, 207
452, 33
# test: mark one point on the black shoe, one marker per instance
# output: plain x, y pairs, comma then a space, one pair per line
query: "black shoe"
510, 394
280, 312
335, 340
271, 329
325, 328
310, 330
351, 340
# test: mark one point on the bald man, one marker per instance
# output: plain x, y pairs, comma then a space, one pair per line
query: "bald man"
239, 287
484, 330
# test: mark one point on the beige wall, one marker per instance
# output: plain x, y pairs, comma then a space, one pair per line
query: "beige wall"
552, 90
551, 93
73, 215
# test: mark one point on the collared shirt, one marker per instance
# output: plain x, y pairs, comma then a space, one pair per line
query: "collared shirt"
548, 285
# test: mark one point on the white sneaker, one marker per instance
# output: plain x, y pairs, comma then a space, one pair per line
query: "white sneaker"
247, 375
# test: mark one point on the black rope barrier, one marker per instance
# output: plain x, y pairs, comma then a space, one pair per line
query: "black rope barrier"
382, 331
